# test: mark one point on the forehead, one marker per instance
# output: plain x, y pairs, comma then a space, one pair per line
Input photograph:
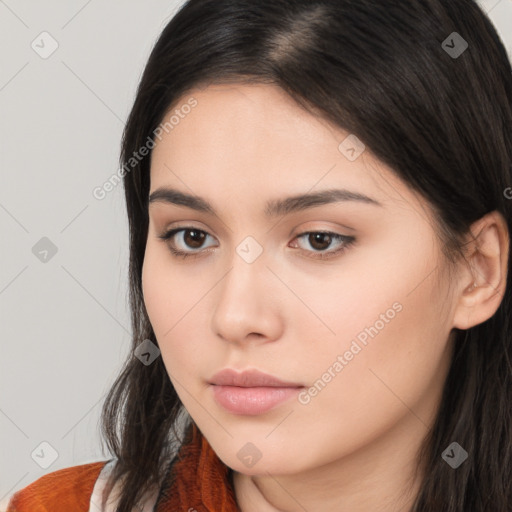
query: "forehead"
251, 141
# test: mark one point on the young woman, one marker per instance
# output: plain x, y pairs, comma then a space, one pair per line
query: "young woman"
319, 198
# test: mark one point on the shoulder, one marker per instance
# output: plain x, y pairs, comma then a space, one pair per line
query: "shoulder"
60, 491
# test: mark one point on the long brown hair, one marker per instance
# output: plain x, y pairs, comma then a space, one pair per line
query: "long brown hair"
382, 70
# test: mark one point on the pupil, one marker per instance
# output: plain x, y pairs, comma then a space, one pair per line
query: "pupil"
197, 238
315, 237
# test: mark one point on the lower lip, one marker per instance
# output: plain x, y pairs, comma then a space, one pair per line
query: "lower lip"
252, 401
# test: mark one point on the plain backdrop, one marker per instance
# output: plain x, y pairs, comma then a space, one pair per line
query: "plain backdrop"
68, 74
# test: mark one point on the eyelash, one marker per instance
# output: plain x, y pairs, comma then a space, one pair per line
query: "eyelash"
348, 241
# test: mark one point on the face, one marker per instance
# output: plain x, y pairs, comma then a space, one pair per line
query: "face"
337, 297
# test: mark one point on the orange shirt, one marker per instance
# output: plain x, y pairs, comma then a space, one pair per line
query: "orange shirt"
198, 481
65, 490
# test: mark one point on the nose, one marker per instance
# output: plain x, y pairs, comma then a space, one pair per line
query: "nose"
247, 307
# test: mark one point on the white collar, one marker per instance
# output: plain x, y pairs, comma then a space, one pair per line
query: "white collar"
113, 498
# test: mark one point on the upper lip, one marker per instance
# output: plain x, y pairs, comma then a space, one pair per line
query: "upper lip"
249, 379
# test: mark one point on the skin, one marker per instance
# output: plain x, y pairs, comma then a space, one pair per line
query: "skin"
353, 446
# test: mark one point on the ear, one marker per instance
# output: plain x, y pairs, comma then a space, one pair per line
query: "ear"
483, 280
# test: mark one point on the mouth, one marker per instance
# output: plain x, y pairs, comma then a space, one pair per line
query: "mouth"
251, 392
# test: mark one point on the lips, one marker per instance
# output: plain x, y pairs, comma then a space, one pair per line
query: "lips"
249, 379
250, 392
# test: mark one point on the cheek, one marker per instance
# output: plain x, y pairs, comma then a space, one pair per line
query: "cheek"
174, 303
389, 333
156, 287
392, 340
165, 306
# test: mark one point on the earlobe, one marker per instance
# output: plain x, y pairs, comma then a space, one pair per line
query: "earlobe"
483, 282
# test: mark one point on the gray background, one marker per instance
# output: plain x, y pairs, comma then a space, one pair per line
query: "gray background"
65, 321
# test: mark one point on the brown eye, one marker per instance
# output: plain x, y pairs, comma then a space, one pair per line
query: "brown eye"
189, 243
193, 238
185, 242
320, 241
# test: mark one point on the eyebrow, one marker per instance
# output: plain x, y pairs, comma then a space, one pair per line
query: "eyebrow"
273, 207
